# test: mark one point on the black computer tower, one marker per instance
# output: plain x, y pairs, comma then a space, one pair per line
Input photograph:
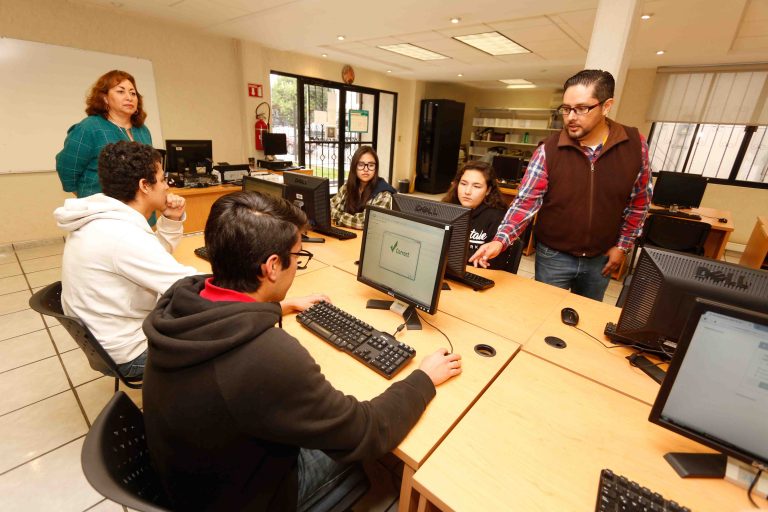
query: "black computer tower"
440, 123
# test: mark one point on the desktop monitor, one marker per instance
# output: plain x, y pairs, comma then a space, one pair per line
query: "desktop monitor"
403, 256
664, 287
311, 194
268, 188
274, 144
188, 156
679, 189
456, 215
508, 168
716, 389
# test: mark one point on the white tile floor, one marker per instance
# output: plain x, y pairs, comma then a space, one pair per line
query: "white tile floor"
49, 396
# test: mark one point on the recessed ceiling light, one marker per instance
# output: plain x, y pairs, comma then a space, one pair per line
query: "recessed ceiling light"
325, 55
340, 38
516, 81
455, 20
522, 86
460, 74
660, 52
389, 71
413, 51
492, 43
646, 16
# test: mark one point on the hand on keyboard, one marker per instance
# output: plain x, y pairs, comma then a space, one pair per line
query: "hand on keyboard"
299, 304
441, 366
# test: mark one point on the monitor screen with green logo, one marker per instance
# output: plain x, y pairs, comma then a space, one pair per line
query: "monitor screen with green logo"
404, 256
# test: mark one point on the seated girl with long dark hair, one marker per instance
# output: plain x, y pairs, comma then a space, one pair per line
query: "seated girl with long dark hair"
475, 187
363, 186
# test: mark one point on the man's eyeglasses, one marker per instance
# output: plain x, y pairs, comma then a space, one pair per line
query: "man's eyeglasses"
371, 166
581, 110
302, 258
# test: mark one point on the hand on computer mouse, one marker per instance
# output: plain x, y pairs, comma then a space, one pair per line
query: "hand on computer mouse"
441, 366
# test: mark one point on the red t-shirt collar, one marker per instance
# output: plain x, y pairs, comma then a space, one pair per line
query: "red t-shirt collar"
217, 294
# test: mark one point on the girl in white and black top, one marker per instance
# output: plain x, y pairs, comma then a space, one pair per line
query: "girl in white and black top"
475, 187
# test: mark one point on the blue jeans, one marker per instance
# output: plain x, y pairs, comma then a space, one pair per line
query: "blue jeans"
583, 276
320, 476
134, 368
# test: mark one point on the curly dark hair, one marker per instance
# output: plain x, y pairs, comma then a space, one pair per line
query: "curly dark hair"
243, 230
355, 199
122, 165
95, 103
602, 80
493, 199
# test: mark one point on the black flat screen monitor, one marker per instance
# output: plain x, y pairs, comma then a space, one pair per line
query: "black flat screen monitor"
188, 156
716, 389
679, 189
274, 143
403, 256
664, 287
508, 168
311, 194
455, 215
266, 187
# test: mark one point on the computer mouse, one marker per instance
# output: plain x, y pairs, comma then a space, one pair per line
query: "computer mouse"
569, 316
723, 220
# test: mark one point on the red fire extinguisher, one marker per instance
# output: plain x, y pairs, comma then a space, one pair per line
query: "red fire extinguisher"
262, 125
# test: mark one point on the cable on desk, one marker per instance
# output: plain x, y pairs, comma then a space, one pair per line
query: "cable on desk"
752, 486
435, 327
636, 347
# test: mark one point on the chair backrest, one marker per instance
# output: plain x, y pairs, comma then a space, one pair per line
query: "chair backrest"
512, 257
115, 458
675, 234
47, 301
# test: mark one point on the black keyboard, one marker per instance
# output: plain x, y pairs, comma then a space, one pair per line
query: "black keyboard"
678, 214
617, 493
202, 252
377, 350
335, 232
475, 281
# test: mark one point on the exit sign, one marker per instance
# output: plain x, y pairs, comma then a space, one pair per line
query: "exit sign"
255, 90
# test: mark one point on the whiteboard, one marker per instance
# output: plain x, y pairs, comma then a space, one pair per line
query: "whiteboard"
42, 93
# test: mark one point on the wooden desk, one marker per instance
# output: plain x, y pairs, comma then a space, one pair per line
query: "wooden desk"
453, 398
756, 252
199, 202
538, 438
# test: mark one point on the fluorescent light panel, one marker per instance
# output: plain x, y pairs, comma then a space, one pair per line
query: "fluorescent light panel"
492, 43
516, 81
413, 51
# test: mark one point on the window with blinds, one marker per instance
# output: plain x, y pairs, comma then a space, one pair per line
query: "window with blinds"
711, 121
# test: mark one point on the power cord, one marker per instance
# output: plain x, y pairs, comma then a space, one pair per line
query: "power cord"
752, 486
637, 347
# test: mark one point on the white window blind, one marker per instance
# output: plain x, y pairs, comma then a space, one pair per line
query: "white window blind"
717, 95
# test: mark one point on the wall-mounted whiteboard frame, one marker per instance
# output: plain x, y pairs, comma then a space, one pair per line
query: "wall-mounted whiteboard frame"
42, 93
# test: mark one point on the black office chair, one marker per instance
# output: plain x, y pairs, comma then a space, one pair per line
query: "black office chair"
48, 302
115, 458
672, 233
512, 256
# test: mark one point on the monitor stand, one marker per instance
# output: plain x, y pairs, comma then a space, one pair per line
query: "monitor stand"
311, 239
409, 313
698, 465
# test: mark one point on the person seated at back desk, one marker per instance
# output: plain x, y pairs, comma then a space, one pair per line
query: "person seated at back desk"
363, 187
475, 187
114, 266
238, 414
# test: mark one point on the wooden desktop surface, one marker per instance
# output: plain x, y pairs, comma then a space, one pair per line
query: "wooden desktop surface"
538, 438
756, 252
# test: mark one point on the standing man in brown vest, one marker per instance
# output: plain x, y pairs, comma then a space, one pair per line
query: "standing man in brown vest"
591, 187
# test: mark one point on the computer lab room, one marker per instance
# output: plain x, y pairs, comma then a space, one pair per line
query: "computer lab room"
402, 256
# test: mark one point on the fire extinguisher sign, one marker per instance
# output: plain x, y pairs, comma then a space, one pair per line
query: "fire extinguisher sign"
255, 90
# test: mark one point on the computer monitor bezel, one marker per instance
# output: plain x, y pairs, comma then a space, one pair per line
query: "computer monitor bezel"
172, 149
517, 169
274, 143
268, 187
459, 217
437, 285
659, 305
320, 193
680, 189
700, 307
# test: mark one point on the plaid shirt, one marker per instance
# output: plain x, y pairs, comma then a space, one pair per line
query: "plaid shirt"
533, 187
355, 220
77, 163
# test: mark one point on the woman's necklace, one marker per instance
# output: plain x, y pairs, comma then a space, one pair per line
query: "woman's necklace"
125, 130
